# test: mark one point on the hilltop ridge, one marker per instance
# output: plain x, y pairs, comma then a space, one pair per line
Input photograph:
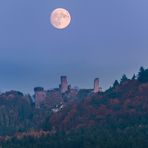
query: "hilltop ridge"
118, 112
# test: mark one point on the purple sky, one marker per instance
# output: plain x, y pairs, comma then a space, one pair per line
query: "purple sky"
106, 39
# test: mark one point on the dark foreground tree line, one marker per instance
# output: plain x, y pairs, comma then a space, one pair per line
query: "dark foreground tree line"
95, 137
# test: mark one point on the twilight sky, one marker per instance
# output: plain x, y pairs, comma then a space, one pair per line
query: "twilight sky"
106, 39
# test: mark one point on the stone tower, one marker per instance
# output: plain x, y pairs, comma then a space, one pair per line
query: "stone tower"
64, 84
96, 85
39, 96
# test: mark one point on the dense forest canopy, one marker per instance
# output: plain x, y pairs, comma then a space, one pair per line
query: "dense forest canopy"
111, 119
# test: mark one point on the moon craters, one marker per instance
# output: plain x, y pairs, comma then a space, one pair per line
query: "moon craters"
60, 18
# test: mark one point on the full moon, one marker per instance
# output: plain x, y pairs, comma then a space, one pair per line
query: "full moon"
60, 18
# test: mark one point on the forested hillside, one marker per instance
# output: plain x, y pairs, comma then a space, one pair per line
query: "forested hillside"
115, 118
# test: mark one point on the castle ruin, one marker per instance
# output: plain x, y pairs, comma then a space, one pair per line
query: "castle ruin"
39, 96
96, 85
64, 93
64, 84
